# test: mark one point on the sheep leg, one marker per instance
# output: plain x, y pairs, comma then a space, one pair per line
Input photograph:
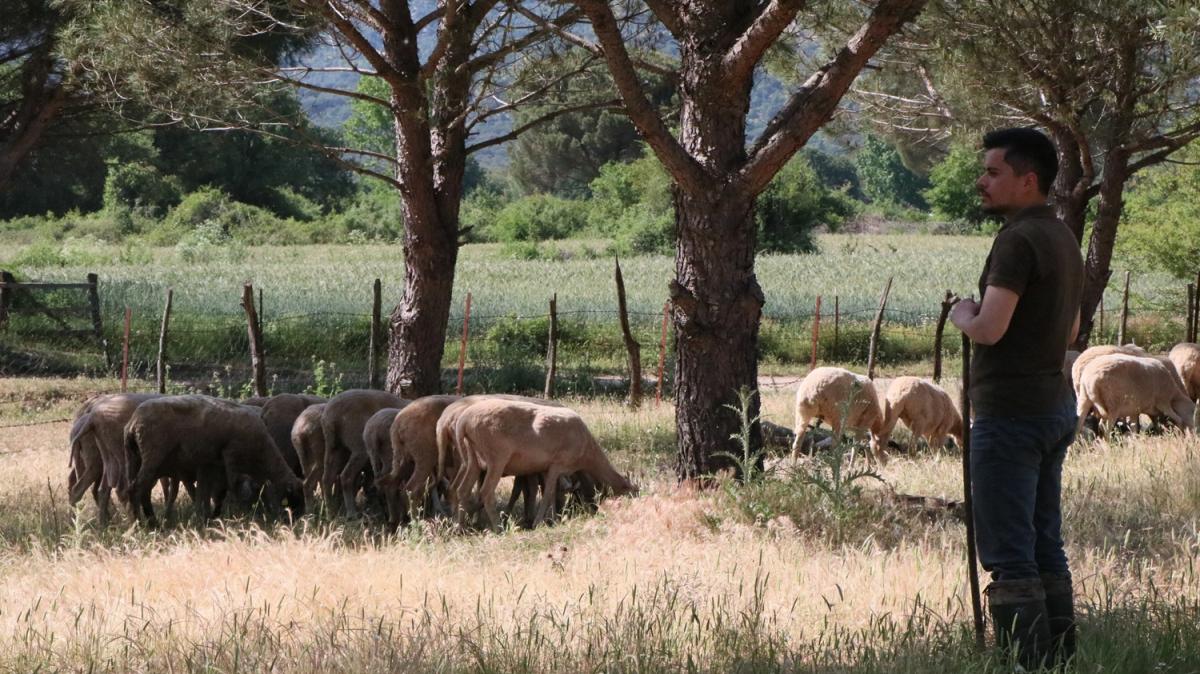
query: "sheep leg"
464, 482
170, 487
1082, 408
487, 493
418, 483
549, 490
85, 478
336, 459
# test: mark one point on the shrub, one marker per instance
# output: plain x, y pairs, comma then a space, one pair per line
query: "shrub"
212, 209
793, 205
539, 217
140, 187
375, 215
885, 178
952, 192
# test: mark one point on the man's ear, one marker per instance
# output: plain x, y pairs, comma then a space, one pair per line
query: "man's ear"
1030, 181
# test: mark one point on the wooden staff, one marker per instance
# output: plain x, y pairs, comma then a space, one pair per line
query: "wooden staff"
972, 559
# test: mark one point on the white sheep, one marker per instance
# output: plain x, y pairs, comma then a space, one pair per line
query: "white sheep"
1090, 354
842, 399
1186, 359
925, 408
1119, 386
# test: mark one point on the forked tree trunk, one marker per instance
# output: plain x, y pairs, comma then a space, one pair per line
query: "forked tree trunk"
1097, 265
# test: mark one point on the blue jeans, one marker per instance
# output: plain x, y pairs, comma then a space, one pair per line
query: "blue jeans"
1016, 485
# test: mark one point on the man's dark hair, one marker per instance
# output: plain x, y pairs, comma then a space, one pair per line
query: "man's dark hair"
1026, 150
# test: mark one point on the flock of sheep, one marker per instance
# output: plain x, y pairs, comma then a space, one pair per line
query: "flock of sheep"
448, 453
1116, 383
286, 447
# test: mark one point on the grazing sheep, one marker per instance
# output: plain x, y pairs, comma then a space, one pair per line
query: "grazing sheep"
1186, 359
511, 437
1120, 386
279, 415
255, 401
828, 393
450, 460
97, 448
346, 458
377, 439
208, 441
414, 441
1094, 352
925, 408
308, 439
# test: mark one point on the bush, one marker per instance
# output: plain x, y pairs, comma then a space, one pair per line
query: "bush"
209, 241
1161, 222
141, 188
539, 217
642, 186
793, 205
885, 178
213, 211
952, 192
375, 215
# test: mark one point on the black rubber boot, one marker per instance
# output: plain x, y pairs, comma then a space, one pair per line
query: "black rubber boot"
1018, 609
1060, 613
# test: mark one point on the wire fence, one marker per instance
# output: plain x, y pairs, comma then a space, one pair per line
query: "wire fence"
52, 335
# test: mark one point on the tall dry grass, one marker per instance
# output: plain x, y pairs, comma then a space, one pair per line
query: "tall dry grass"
672, 580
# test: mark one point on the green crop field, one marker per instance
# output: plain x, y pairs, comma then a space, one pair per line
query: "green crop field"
317, 300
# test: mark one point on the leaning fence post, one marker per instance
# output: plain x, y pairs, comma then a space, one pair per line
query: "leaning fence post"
462, 348
874, 347
373, 344
551, 349
662, 355
816, 335
253, 327
1124, 311
631, 345
1189, 330
161, 367
125, 352
937, 335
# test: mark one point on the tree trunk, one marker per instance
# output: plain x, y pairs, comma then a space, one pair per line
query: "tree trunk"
1097, 269
715, 296
1069, 192
41, 102
717, 304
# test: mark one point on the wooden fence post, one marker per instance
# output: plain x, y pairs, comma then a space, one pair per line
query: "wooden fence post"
947, 304
94, 303
373, 344
874, 347
551, 349
837, 318
6, 295
662, 355
816, 335
1189, 334
125, 352
462, 348
1124, 312
631, 345
254, 328
161, 367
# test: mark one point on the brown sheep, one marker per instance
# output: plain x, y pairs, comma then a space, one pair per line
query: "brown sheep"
925, 408
843, 399
450, 460
346, 458
377, 439
308, 439
1119, 386
97, 448
279, 414
1186, 359
208, 441
510, 437
413, 438
1090, 354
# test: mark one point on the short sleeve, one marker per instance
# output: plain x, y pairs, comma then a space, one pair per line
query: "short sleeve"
1013, 263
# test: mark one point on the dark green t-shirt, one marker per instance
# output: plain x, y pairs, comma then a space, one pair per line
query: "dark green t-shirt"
1036, 256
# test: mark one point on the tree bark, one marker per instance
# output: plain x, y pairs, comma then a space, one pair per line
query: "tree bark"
42, 98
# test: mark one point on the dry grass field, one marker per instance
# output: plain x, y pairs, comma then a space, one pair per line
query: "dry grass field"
774, 576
